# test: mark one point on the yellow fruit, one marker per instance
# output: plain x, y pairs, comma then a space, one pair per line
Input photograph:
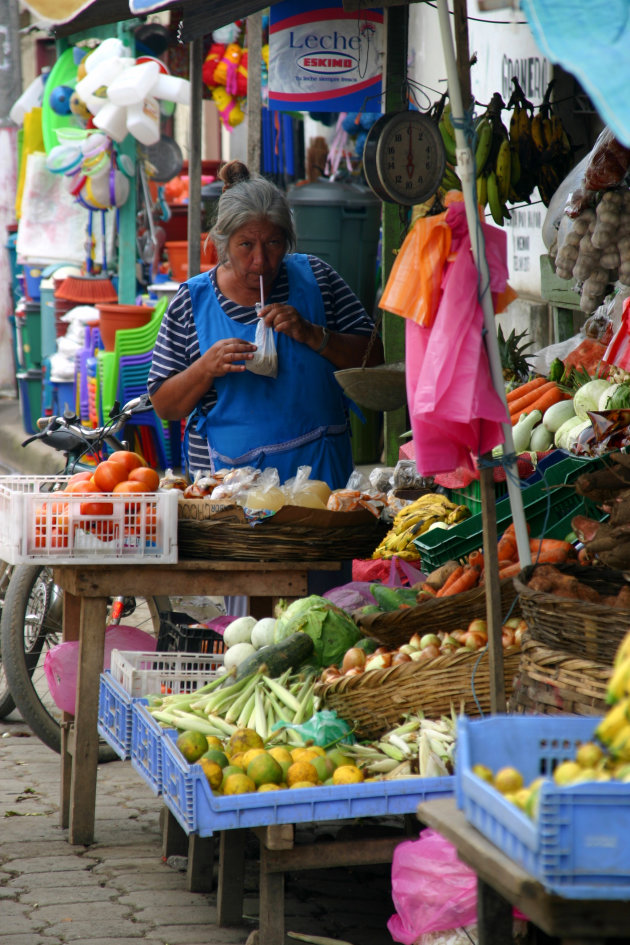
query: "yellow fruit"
213, 754
263, 769
483, 772
212, 771
588, 755
214, 742
306, 754
337, 757
508, 780
521, 798
269, 786
242, 739
238, 784
192, 745
587, 774
324, 767
301, 771
347, 774
299, 784
280, 753
250, 755
566, 772
231, 769
237, 759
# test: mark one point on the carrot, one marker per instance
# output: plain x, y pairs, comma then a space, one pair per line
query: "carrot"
525, 402
549, 550
469, 578
523, 389
453, 576
509, 570
506, 548
476, 558
547, 399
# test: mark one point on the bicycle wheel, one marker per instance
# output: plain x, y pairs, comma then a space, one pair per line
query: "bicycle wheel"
31, 624
7, 703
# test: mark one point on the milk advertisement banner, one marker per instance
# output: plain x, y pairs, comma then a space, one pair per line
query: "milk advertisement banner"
323, 58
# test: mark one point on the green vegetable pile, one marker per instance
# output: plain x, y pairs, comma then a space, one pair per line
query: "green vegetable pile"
330, 628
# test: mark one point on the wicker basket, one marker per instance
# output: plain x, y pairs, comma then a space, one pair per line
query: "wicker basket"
379, 699
441, 613
549, 682
378, 388
291, 534
580, 628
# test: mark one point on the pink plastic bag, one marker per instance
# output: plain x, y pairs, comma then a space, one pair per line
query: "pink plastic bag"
394, 572
61, 661
432, 890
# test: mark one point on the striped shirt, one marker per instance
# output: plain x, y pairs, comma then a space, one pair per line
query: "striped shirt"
177, 345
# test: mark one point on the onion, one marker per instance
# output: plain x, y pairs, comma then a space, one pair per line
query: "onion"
354, 657
400, 658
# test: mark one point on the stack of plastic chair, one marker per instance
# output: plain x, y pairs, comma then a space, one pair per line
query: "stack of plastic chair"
92, 344
133, 373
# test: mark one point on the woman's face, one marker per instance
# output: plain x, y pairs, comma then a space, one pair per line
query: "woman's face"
256, 249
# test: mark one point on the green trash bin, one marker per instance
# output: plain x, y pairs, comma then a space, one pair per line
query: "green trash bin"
340, 222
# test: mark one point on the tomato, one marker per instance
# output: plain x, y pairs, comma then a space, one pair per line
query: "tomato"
96, 508
128, 459
84, 476
107, 475
82, 486
128, 486
147, 476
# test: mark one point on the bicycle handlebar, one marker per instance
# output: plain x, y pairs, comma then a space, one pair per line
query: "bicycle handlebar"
66, 434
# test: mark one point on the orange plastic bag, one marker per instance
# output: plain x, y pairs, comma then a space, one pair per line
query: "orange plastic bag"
414, 286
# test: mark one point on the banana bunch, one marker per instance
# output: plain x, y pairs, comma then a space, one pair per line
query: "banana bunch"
420, 746
450, 180
413, 520
555, 153
522, 149
494, 182
614, 729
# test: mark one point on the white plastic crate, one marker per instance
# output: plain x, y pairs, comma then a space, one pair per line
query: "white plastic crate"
144, 674
41, 524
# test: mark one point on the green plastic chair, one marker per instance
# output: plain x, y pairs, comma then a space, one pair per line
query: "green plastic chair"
128, 341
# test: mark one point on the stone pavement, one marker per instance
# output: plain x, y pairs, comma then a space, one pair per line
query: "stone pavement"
120, 891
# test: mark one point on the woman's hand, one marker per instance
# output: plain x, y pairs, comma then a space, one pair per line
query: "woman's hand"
288, 321
227, 356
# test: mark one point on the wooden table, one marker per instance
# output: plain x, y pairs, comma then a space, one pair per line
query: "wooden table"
502, 884
86, 592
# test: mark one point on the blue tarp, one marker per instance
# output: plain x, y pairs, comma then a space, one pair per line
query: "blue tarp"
591, 40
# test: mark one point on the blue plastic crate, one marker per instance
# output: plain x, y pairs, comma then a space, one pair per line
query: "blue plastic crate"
114, 715
188, 796
577, 846
147, 738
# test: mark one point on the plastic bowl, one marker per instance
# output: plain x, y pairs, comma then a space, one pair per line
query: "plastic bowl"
115, 318
177, 252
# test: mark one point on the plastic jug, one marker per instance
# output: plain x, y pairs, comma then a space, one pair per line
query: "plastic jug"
134, 84
143, 121
92, 89
112, 119
173, 89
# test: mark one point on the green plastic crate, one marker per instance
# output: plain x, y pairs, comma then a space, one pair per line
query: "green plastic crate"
470, 495
548, 507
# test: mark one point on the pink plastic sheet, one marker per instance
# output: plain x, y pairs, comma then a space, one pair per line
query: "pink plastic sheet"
455, 411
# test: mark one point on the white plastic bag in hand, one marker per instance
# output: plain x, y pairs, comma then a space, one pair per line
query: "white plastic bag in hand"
265, 360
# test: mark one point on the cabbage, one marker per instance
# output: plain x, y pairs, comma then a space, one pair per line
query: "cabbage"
329, 627
620, 399
587, 397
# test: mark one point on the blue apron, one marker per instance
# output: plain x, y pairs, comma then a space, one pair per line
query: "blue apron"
296, 419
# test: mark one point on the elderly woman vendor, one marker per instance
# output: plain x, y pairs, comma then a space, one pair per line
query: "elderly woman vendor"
206, 345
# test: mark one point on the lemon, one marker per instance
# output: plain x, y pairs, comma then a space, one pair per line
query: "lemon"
242, 739
347, 774
280, 753
301, 771
566, 772
483, 772
250, 754
192, 745
263, 769
508, 780
213, 754
588, 755
238, 784
212, 771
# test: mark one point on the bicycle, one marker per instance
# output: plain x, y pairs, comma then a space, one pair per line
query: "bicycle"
32, 609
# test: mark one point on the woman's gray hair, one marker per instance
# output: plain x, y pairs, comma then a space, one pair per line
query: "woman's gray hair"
247, 201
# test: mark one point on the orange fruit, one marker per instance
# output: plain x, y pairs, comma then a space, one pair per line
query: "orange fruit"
192, 745
250, 754
149, 478
263, 769
301, 771
128, 459
108, 474
238, 784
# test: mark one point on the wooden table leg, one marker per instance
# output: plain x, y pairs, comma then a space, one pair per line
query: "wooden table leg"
71, 621
271, 908
85, 749
494, 916
231, 877
200, 871
174, 837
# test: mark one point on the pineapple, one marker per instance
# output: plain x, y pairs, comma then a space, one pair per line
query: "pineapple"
513, 356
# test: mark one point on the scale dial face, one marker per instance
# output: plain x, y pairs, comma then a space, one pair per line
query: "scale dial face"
404, 157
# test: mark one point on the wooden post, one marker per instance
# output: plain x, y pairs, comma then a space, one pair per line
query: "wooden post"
194, 157
254, 119
493, 587
395, 218
460, 22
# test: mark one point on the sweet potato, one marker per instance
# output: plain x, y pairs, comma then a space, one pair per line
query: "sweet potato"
437, 578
